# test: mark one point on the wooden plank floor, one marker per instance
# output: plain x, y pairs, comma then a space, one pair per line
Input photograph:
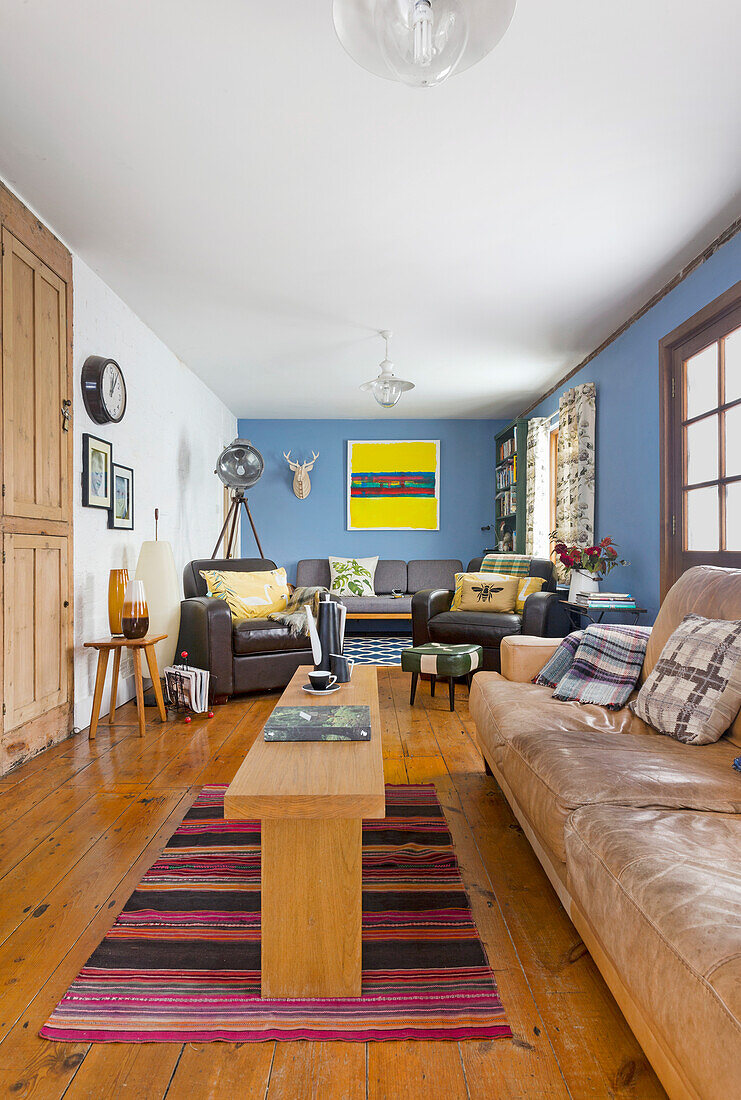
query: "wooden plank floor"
81, 823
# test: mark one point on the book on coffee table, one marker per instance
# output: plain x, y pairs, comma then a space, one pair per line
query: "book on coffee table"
319, 724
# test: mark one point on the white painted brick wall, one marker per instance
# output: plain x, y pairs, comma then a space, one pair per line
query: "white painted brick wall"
172, 432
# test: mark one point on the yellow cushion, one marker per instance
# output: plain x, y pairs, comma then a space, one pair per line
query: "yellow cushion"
494, 594
249, 595
461, 577
528, 585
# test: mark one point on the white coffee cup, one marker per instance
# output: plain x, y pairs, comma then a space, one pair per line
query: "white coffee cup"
322, 681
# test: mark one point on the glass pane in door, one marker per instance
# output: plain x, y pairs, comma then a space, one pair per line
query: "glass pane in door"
701, 440
702, 509
701, 374
733, 441
733, 366
733, 516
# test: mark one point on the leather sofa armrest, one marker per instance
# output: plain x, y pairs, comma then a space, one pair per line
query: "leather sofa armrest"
536, 613
206, 634
425, 605
523, 658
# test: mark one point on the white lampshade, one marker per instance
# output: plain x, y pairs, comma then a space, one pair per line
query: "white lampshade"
156, 568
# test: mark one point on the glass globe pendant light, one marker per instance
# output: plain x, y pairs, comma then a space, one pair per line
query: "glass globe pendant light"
420, 42
387, 388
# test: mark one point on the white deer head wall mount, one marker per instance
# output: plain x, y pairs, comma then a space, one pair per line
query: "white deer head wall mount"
301, 483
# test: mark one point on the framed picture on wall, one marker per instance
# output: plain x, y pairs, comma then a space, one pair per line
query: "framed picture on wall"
393, 485
97, 460
121, 513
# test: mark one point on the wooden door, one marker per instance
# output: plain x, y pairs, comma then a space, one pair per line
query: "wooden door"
36, 656
36, 606
34, 385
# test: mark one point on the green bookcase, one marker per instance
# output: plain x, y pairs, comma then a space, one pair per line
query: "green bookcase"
510, 480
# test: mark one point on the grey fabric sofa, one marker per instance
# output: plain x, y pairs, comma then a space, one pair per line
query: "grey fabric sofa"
406, 577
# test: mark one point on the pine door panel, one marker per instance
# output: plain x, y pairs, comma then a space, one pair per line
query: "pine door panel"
34, 386
36, 659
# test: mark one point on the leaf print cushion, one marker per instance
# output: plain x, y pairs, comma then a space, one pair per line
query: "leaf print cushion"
352, 576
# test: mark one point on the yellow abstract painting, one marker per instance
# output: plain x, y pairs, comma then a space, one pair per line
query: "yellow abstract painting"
393, 485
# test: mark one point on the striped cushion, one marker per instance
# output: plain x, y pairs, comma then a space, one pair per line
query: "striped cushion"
526, 588
438, 659
514, 565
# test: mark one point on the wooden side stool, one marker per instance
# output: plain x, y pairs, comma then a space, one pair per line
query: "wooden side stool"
437, 659
136, 645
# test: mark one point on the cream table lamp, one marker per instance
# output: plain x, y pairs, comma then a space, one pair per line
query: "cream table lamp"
156, 567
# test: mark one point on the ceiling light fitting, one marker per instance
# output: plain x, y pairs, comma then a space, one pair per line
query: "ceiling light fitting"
420, 42
387, 388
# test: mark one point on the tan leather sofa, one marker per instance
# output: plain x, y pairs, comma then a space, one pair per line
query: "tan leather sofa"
641, 837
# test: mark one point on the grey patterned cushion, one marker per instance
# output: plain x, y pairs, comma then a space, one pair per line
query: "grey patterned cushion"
694, 691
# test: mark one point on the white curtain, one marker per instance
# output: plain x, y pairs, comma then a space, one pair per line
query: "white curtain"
576, 465
537, 543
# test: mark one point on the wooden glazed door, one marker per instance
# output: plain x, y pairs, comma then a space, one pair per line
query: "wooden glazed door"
36, 520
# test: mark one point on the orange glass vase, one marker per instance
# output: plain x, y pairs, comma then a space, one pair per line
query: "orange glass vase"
135, 613
117, 584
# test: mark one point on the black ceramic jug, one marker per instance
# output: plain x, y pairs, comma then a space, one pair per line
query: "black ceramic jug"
327, 632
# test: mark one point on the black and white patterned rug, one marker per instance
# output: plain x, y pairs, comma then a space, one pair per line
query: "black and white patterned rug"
383, 650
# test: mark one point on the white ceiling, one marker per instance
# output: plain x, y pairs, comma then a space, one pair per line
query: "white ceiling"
265, 205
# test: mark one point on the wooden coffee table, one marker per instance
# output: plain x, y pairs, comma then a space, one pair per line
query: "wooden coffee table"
311, 799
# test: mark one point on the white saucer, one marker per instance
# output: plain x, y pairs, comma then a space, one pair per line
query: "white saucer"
315, 691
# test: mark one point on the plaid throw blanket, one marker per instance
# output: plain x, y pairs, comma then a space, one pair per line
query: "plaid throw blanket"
561, 661
293, 615
606, 666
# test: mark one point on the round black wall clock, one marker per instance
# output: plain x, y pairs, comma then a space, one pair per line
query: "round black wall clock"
103, 390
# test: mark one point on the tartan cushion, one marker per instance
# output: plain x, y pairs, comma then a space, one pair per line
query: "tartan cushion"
438, 659
693, 692
513, 565
554, 670
606, 667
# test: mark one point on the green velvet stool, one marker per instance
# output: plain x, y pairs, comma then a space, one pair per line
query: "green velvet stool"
441, 661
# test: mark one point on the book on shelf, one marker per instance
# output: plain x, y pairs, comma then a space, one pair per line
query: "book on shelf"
506, 449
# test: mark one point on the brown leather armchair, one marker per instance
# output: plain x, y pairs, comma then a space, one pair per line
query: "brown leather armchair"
433, 621
253, 655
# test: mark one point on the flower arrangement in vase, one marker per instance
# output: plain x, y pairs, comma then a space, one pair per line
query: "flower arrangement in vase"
588, 565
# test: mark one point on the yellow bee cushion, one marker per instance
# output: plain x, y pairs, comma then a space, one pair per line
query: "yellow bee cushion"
249, 595
494, 594
526, 587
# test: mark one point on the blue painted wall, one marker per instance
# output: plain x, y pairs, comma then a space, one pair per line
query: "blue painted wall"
290, 529
627, 430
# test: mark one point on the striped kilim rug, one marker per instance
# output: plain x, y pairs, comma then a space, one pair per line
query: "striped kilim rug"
182, 962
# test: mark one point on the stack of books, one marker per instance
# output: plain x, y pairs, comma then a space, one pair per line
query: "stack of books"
606, 601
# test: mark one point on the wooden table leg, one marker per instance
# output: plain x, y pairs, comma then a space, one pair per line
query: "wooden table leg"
114, 682
156, 683
99, 685
312, 896
139, 683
